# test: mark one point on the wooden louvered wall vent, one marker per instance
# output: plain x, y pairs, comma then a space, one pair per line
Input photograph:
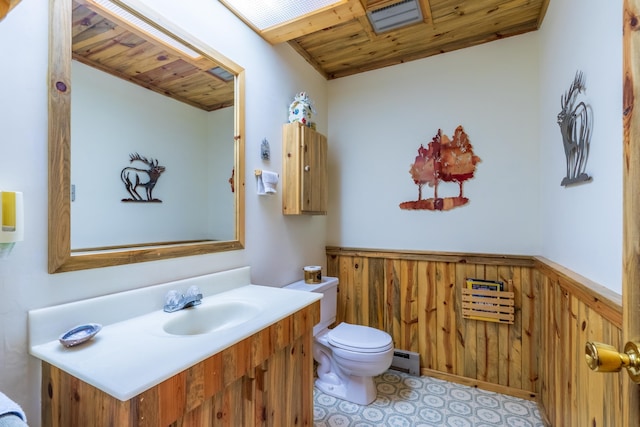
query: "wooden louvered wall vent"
488, 305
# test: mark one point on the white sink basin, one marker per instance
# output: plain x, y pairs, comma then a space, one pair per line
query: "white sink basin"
204, 319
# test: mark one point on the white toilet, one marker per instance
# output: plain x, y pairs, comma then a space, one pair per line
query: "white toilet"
348, 356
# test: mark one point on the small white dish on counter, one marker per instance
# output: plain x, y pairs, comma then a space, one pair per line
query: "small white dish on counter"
80, 334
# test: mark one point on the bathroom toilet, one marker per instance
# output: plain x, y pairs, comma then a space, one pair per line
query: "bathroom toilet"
348, 356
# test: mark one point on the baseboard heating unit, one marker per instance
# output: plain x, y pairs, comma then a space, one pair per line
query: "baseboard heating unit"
406, 361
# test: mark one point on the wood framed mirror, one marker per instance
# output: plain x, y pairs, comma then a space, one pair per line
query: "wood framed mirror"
82, 32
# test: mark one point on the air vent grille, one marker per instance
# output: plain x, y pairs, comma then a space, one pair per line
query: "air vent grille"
221, 73
406, 361
397, 15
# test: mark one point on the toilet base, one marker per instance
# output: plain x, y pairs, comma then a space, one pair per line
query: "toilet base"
359, 390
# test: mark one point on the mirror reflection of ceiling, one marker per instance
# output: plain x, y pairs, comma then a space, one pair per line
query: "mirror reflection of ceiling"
116, 47
354, 36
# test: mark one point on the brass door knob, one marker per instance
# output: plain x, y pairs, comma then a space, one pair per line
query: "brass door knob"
606, 358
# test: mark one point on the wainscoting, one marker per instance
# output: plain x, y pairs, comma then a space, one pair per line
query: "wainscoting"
416, 297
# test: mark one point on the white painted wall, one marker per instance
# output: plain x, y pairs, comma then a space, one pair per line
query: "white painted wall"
380, 118
276, 247
581, 227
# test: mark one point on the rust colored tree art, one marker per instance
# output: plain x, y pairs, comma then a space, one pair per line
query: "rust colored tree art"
444, 160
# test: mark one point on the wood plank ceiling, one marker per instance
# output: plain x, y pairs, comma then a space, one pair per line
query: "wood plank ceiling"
337, 41
341, 41
114, 46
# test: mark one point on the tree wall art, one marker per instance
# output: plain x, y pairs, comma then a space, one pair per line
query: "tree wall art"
444, 161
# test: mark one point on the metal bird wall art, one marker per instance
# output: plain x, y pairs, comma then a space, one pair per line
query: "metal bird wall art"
575, 124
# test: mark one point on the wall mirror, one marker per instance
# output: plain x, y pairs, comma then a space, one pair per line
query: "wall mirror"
146, 146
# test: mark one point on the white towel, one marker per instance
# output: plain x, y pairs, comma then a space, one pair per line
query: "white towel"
267, 182
270, 180
8, 406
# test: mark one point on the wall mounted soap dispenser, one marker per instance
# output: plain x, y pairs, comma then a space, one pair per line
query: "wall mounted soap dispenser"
11, 220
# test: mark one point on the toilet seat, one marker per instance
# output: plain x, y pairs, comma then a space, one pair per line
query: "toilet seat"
359, 339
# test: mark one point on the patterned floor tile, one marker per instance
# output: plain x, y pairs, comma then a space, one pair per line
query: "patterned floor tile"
407, 401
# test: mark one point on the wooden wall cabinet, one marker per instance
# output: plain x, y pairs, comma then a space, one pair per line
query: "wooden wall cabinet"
304, 165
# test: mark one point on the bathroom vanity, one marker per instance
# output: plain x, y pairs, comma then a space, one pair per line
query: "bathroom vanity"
252, 372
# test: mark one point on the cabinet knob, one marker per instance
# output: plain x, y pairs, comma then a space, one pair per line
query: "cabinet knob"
307, 168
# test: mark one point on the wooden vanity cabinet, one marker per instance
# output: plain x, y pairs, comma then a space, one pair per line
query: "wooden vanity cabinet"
304, 170
263, 380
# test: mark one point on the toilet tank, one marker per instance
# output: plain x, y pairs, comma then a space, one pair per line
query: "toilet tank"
328, 304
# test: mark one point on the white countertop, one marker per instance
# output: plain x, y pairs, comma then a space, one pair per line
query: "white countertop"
132, 355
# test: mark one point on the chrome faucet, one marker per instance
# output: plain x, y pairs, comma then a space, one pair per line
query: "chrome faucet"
175, 301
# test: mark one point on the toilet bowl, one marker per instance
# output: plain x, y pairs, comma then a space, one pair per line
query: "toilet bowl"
347, 371
348, 356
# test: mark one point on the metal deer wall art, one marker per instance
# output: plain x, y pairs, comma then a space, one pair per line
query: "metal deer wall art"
147, 178
575, 124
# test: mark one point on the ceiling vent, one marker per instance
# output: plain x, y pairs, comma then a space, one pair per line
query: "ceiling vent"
221, 73
397, 15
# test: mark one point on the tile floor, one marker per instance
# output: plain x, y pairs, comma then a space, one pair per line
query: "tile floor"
405, 400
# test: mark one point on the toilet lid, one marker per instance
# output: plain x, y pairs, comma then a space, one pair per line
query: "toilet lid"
359, 338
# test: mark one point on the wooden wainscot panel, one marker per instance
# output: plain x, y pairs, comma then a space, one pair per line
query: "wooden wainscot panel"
602, 300
574, 311
416, 297
264, 380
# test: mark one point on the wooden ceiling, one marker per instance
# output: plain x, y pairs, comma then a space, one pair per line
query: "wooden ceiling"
340, 41
337, 41
114, 46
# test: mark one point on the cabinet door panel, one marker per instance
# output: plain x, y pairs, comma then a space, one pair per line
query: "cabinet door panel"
314, 172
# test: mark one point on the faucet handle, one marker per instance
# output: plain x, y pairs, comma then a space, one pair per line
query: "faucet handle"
193, 291
175, 301
172, 299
